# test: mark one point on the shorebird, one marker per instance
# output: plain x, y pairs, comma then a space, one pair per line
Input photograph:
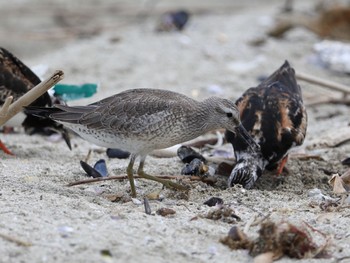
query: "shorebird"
142, 120
274, 115
15, 80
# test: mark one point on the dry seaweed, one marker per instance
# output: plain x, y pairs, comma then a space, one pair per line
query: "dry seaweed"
282, 239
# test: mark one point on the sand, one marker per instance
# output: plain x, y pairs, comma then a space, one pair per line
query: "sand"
106, 44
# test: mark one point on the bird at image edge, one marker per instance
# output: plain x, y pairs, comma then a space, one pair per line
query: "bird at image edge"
15, 80
274, 115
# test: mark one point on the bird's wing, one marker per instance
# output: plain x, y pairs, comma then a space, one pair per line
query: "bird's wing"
16, 79
132, 110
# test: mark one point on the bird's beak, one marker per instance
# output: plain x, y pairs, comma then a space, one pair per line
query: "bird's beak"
241, 131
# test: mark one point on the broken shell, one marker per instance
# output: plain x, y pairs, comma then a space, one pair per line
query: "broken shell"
236, 239
266, 257
165, 211
187, 154
346, 161
148, 210
213, 201
237, 234
90, 171
172, 21
338, 185
117, 153
100, 166
195, 167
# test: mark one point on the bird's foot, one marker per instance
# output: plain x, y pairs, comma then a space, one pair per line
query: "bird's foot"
281, 165
166, 183
5, 149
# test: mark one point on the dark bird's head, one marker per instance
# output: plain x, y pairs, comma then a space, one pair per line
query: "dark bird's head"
246, 172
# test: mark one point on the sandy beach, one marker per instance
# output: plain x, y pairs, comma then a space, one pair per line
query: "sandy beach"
114, 44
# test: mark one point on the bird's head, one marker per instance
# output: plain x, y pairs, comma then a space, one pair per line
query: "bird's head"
226, 115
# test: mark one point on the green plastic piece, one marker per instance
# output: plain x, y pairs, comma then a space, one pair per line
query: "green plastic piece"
74, 92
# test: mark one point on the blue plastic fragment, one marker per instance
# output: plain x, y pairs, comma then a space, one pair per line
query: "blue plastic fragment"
73, 92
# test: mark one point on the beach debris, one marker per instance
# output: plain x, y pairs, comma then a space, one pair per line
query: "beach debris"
155, 195
173, 21
195, 167
280, 239
69, 92
334, 55
165, 211
236, 239
100, 166
106, 254
118, 197
15, 240
224, 168
65, 231
187, 154
331, 138
346, 161
136, 201
117, 153
316, 195
341, 185
148, 210
99, 169
213, 201
331, 23
223, 213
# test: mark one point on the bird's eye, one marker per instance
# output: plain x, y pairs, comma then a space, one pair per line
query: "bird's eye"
229, 114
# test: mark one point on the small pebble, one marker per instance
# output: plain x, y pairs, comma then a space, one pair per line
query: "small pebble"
213, 201
136, 201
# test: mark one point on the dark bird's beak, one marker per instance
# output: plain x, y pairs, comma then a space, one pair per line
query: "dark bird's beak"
241, 131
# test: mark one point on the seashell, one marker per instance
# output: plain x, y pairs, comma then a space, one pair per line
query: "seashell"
213, 201
187, 154
100, 166
90, 171
117, 153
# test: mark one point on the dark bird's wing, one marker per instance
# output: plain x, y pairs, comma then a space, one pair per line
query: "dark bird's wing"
15, 80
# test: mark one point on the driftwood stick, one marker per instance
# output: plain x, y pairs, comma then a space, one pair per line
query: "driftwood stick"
124, 177
15, 240
323, 82
30, 96
5, 107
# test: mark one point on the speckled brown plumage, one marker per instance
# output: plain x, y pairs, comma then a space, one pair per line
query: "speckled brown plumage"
274, 115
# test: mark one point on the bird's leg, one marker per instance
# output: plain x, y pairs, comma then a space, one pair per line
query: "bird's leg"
130, 172
166, 183
4, 148
282, 164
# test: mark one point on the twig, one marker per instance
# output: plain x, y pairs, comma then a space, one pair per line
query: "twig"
124, 177
322, 82
5, 107
30, 96
15, 240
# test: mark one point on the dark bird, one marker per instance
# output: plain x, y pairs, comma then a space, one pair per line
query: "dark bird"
274, 115
15, 80
142, 120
